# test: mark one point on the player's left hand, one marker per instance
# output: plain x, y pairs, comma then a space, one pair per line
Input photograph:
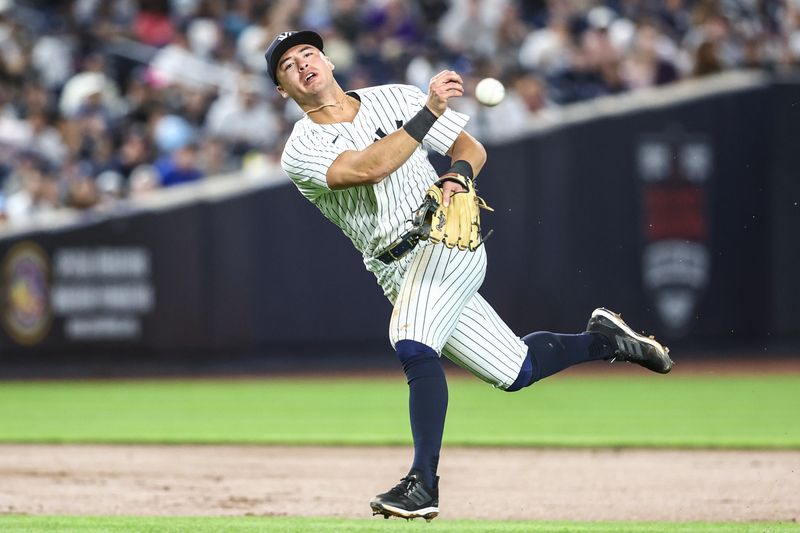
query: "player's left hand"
449, 188
450, 213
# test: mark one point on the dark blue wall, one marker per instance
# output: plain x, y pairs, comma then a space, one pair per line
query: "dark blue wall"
577, 208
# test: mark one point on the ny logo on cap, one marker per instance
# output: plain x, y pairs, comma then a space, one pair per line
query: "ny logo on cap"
285, 34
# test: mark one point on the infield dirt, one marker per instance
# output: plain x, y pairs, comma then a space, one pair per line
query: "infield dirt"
481, 483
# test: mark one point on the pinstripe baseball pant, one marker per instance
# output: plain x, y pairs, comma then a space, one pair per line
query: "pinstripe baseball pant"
438, 305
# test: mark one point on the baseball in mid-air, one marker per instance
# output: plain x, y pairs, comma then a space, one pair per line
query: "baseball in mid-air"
490, 92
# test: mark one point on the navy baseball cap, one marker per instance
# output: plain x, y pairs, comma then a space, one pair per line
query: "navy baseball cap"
283, 42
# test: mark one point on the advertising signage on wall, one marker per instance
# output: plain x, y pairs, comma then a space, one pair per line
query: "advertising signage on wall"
85, 293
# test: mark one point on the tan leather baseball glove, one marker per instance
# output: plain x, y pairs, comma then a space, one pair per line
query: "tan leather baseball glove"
457, 225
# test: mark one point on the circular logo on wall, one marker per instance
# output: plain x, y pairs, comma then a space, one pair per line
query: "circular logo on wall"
26, 293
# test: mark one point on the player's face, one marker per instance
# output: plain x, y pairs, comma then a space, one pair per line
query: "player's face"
304, 70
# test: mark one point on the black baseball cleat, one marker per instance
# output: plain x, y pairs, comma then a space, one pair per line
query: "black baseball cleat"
630, 346
408, 499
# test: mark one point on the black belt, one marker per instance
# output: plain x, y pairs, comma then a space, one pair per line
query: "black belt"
404, 244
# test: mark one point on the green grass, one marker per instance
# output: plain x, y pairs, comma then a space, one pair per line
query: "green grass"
649, 411
123, 524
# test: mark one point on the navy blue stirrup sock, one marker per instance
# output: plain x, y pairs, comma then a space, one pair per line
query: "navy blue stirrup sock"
427, 404
549, 353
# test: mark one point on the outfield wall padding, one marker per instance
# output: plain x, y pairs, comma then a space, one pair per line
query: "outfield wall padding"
684, 217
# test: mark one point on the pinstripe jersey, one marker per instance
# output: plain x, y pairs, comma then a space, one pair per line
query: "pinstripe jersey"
372, 216
433, 289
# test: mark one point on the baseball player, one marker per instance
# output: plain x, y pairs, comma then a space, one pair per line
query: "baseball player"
360, 157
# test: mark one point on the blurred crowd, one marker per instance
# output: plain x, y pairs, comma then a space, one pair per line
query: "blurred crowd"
102, 100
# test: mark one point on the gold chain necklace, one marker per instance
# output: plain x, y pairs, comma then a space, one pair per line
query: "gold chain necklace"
340, 103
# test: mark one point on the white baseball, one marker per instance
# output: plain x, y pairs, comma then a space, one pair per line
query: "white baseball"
490, 92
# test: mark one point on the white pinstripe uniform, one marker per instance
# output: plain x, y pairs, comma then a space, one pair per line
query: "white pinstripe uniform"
433, 288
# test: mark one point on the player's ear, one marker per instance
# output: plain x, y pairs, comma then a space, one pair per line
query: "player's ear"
282, 92
329, 62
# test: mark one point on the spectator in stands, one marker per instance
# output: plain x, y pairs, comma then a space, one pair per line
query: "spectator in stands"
90, 130
214, 157
179, 166
650, 62
267, 20
509, 36
34, 98
110, 187
243, 118
548, 50
193, 104
38, 194
674, 18
135, 150
153, 24
393, 20
14, 131
171, 132
143, 180
478, 19
176, 65
91, 82
80, 189
533, 92
45, 139
52, 57
706, 60
13, 56
254, 38
603, 57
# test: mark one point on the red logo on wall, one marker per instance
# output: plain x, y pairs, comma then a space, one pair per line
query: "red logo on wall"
675, 168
